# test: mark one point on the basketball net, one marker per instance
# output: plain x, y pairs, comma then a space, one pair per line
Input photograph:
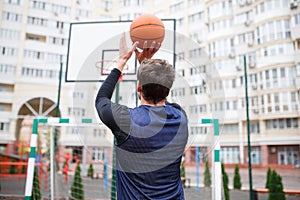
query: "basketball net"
105, 66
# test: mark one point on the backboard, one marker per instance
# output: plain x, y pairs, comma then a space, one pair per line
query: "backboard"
94, 45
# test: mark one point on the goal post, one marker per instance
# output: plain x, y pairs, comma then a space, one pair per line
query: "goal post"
216, 164
31, 163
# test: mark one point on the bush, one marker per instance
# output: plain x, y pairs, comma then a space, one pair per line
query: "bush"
269, 172
12, 169
77, 187
237, 184
182, 172
23, 169
225, 183
275, 187
207, 175
36, 192
90, 172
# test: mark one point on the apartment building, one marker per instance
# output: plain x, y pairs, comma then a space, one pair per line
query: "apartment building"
210, 72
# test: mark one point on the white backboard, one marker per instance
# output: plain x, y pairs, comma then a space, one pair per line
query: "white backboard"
92, 42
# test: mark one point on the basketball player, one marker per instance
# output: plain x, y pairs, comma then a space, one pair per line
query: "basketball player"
151, 138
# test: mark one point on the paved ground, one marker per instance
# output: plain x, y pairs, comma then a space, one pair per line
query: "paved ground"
13, 188
290, 177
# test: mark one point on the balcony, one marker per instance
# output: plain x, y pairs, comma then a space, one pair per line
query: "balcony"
7, 78
297, 54
276, 59
6, 97
5, 115
295, 32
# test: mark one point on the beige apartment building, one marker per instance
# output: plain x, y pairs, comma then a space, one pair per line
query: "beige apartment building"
210, 74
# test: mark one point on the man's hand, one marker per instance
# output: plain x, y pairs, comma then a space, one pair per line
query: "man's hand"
124, 53
147, 52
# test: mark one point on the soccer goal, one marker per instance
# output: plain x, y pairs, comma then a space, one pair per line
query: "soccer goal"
80, 171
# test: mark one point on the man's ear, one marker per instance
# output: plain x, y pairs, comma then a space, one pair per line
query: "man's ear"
139, 88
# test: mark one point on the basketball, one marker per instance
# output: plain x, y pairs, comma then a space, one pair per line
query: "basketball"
148, 28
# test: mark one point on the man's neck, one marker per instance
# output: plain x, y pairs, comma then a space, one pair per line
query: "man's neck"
149, 103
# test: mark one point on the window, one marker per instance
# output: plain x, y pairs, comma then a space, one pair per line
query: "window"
195, 17
38, 5
37, 21
196, 53
298, 68
268, 6
34, 54
106, 5
14, 2
256, 155
58, 41
60, 9
197, 90
99, 133
195, 109
178, 92
175, 8
254, 128
81, 13
235, 105
98, 154
7, 69
220, 9
229, 155
8, 51
4, 126
288, 155
230, 128
197, 130
296, 19
222, 47
76, 112
32, 72
12, 17
78, 95
284, 123
273, 30
180, 72
9, 33
180, 56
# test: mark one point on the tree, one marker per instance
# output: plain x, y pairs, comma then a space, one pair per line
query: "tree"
225, 183
36, 192
207, 175
77, 187
275, 187
182, 173
90, 172
237, 184
12, 169
23, 169
269, 172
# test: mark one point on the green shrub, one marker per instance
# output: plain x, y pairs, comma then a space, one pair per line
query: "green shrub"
275, 187
182, 172
225, 183
269, 172
36, 192
237, 184
77, 186
207, 175
12, 169
90, 172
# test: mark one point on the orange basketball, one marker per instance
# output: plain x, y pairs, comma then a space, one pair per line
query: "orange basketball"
148, 28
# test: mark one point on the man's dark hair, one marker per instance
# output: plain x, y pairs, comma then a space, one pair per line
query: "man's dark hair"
156, 77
